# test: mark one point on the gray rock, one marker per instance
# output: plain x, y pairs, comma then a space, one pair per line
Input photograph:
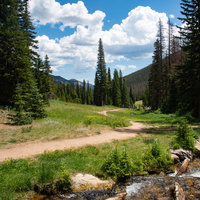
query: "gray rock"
182, 154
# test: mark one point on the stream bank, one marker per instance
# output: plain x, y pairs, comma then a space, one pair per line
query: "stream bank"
153, 187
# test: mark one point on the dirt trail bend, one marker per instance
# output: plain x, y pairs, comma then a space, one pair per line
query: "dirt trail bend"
28, 149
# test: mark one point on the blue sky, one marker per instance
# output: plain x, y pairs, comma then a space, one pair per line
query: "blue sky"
68, 32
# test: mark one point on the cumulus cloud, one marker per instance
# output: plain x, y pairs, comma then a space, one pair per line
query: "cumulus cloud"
171, 16
122, 67
50, 11
131, 40
132, 66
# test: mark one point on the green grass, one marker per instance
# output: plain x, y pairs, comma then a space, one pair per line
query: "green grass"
17, 177
151, 118
65, 120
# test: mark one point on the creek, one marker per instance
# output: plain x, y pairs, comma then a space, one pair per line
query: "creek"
152, 187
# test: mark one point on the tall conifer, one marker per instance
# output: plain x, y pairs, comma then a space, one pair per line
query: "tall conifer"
101, 75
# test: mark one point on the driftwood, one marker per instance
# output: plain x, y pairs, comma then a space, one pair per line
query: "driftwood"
118, 196
183, 167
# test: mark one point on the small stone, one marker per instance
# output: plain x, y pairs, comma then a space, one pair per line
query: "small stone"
178, 192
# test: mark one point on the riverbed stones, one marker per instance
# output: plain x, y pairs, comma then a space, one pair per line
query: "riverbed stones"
182, 154
88, 182
178, 192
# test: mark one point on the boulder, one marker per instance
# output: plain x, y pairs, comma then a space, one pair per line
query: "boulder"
178, 192
182, 154
87, 182
118, 196
183, 167
175, 158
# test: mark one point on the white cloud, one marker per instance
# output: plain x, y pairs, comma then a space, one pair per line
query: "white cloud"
50, 11
131, 40
171, 16
122, 67
132, 66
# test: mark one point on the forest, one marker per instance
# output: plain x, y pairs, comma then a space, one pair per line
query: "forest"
26, 82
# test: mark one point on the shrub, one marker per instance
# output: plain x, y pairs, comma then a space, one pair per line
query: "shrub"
185, 136
118, 165
64, 180
156, 159
21, 118
26, 129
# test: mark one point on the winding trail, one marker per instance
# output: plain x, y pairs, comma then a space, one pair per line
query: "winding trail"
28, 149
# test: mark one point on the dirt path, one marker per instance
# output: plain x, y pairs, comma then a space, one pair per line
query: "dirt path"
28, 149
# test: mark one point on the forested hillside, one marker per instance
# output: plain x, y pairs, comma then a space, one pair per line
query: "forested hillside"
138, 81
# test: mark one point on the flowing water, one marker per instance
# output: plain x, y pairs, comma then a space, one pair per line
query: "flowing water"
155, 187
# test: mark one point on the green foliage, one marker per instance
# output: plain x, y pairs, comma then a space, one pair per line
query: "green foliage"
26, 129
197, 133
185, 136
156, 159
118, 164
64, 180
21, 118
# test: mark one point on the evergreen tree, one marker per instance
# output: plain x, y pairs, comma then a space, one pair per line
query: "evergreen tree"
154, 80
189, 72
84, 98
109, 88
97, 97
116, 94
124, 96
101, 75
131, 95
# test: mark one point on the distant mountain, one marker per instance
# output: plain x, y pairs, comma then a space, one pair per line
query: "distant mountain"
138, 80
59, 79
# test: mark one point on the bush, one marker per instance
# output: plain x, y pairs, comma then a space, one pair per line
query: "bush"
64, 181
118, 165
156, 159
21, 118
185, 136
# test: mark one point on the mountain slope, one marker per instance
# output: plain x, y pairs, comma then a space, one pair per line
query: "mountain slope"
138, 80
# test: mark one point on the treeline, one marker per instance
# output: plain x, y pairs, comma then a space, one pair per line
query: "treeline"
25, 81
75, 93
109, 91
174, 82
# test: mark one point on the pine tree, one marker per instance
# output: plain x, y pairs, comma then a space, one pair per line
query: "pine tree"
101, 75
131, 95
189, 72
154, 81
124, 96
84, 98
109, 88
116, 93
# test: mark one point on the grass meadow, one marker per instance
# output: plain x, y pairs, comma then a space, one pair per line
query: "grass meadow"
19, 179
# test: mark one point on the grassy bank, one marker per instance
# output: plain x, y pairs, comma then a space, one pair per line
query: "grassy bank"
65, 120
49, 171
18, 178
